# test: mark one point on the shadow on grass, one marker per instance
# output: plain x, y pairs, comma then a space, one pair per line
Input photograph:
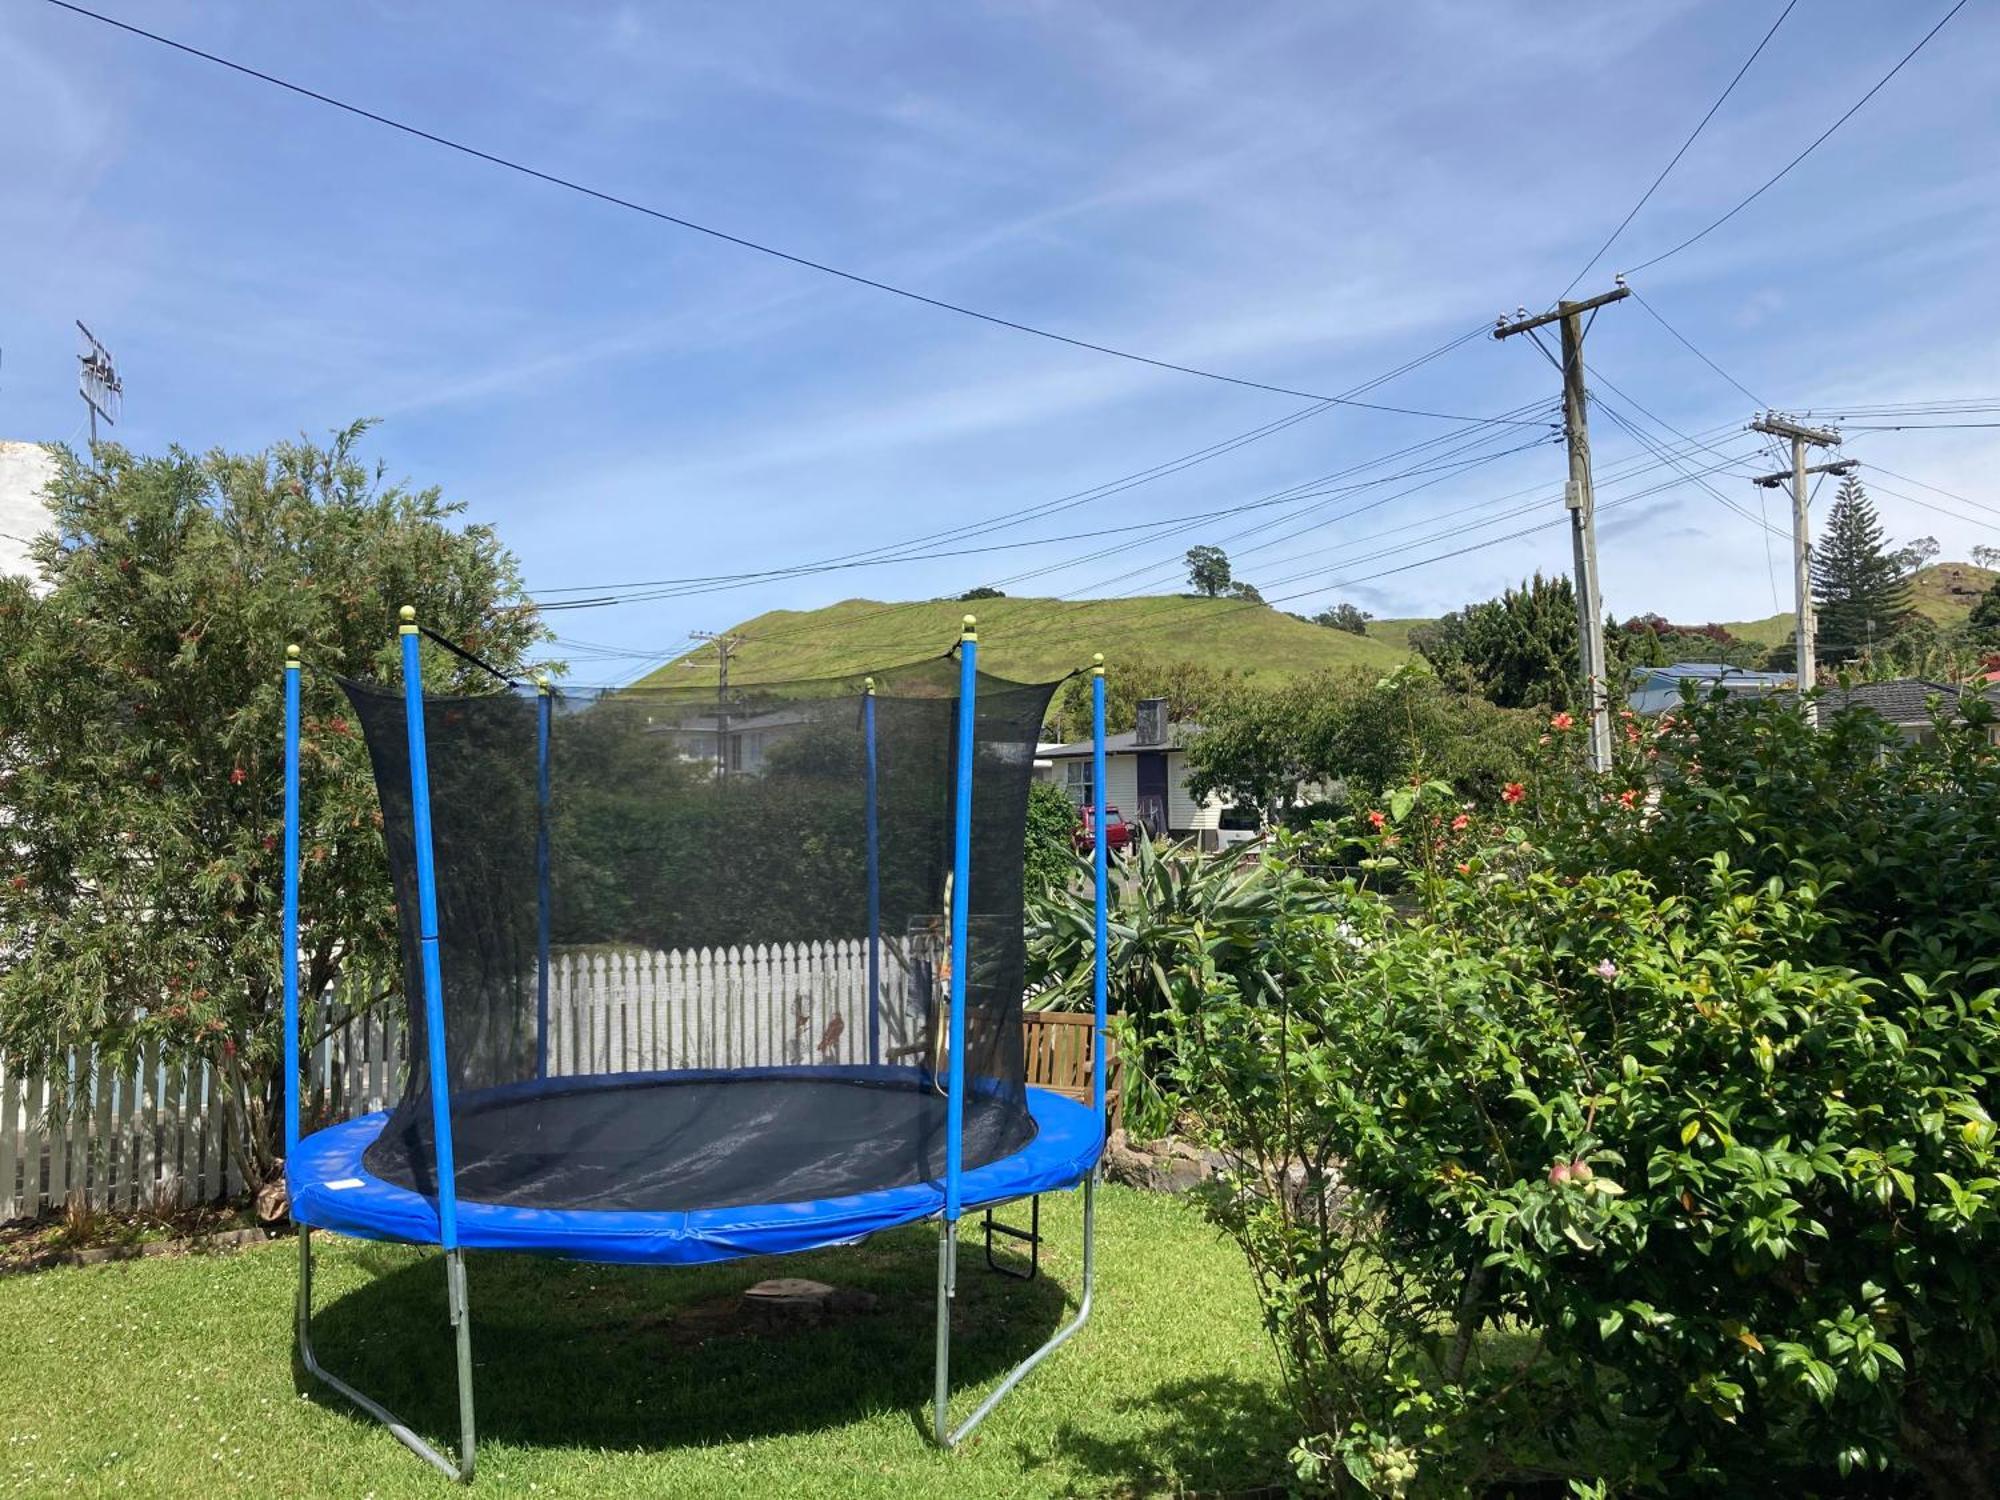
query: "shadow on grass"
1213, 1435
623, 1357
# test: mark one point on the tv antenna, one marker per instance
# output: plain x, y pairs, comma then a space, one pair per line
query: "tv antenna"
97, 382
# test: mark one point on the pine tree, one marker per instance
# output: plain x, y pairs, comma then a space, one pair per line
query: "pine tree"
1861, 589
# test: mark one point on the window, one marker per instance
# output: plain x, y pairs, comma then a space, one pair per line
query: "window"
1076, 781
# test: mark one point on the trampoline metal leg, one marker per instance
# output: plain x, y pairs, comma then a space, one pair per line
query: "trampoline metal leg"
947, 1279
950, 1437
399, 1429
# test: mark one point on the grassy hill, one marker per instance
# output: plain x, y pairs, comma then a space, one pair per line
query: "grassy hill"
1040, 639
1944, 593
1033, 639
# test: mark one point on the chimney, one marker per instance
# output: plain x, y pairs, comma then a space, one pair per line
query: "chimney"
1152, 726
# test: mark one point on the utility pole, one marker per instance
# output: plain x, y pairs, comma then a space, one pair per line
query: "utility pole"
725, 647
1580, 496
1805, 626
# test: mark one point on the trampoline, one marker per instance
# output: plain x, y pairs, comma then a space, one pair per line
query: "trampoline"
694, 975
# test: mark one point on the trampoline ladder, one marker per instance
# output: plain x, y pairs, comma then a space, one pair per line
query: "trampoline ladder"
461, 1320
1031, 1237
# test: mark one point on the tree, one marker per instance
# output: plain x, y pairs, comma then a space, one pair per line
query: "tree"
984, 591
1344, 617
140, 758
1050, 849
1860, 588
1986, 557
1339, 738
1918, 554
1985, 618
1246, 591
1208, 570
1520, 650
1190, 688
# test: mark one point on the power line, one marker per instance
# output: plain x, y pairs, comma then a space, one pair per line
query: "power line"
1783, 171
1646, 196
1203, 612
1165, 526
1881, 488
1282, 496
742, 242
1449, 468
1934, 489
1654, 314
1919, 426
1069, 501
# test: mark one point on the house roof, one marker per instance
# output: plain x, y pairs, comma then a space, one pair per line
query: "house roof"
1901, 700
1126, 743
1655, 689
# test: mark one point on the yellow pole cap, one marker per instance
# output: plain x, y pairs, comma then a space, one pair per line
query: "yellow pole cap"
971, 627
542, 682
1097, 664
868, 686
291, 656
408, 613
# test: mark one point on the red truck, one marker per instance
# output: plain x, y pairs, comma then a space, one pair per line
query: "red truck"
1117, 832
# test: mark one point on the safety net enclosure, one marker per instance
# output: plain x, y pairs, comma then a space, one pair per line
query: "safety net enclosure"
694, 946
694, 974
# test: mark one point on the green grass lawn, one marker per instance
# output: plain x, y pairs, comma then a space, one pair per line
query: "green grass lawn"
175, 1377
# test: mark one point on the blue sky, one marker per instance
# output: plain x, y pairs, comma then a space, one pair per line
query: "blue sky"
1297, 194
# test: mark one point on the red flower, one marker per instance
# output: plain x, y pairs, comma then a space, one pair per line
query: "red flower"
1460, 823
1628, 798
1378, 819
19, 882
1513, 791
338, 726
238, 776
1562, 722
1464, 868
229, 1046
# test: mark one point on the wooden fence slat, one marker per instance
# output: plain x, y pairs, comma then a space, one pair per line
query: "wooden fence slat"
176, 1166
34, 1101
10, 1145
218, 1124
148, 1097
61, 1119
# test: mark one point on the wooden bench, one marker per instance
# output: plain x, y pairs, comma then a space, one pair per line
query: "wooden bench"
1061, 1056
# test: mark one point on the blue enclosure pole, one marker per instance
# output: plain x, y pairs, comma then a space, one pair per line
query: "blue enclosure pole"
291, 917
544, 707
948, 1436
961, 891
427, 934
874, 884
1100, 979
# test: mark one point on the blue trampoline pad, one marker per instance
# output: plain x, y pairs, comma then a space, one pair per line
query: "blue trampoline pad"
333, 1187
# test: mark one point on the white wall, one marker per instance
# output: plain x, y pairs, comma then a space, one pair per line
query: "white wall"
24, 469
1183, 812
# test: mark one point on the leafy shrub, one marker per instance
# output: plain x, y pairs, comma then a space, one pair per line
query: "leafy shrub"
1653, 1146
1051, 859
1166, 900
1335, 740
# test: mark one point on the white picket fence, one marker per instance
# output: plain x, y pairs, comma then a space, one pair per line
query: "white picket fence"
155, 1133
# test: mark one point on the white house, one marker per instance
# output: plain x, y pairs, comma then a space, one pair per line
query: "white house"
24, 469
1146, 770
